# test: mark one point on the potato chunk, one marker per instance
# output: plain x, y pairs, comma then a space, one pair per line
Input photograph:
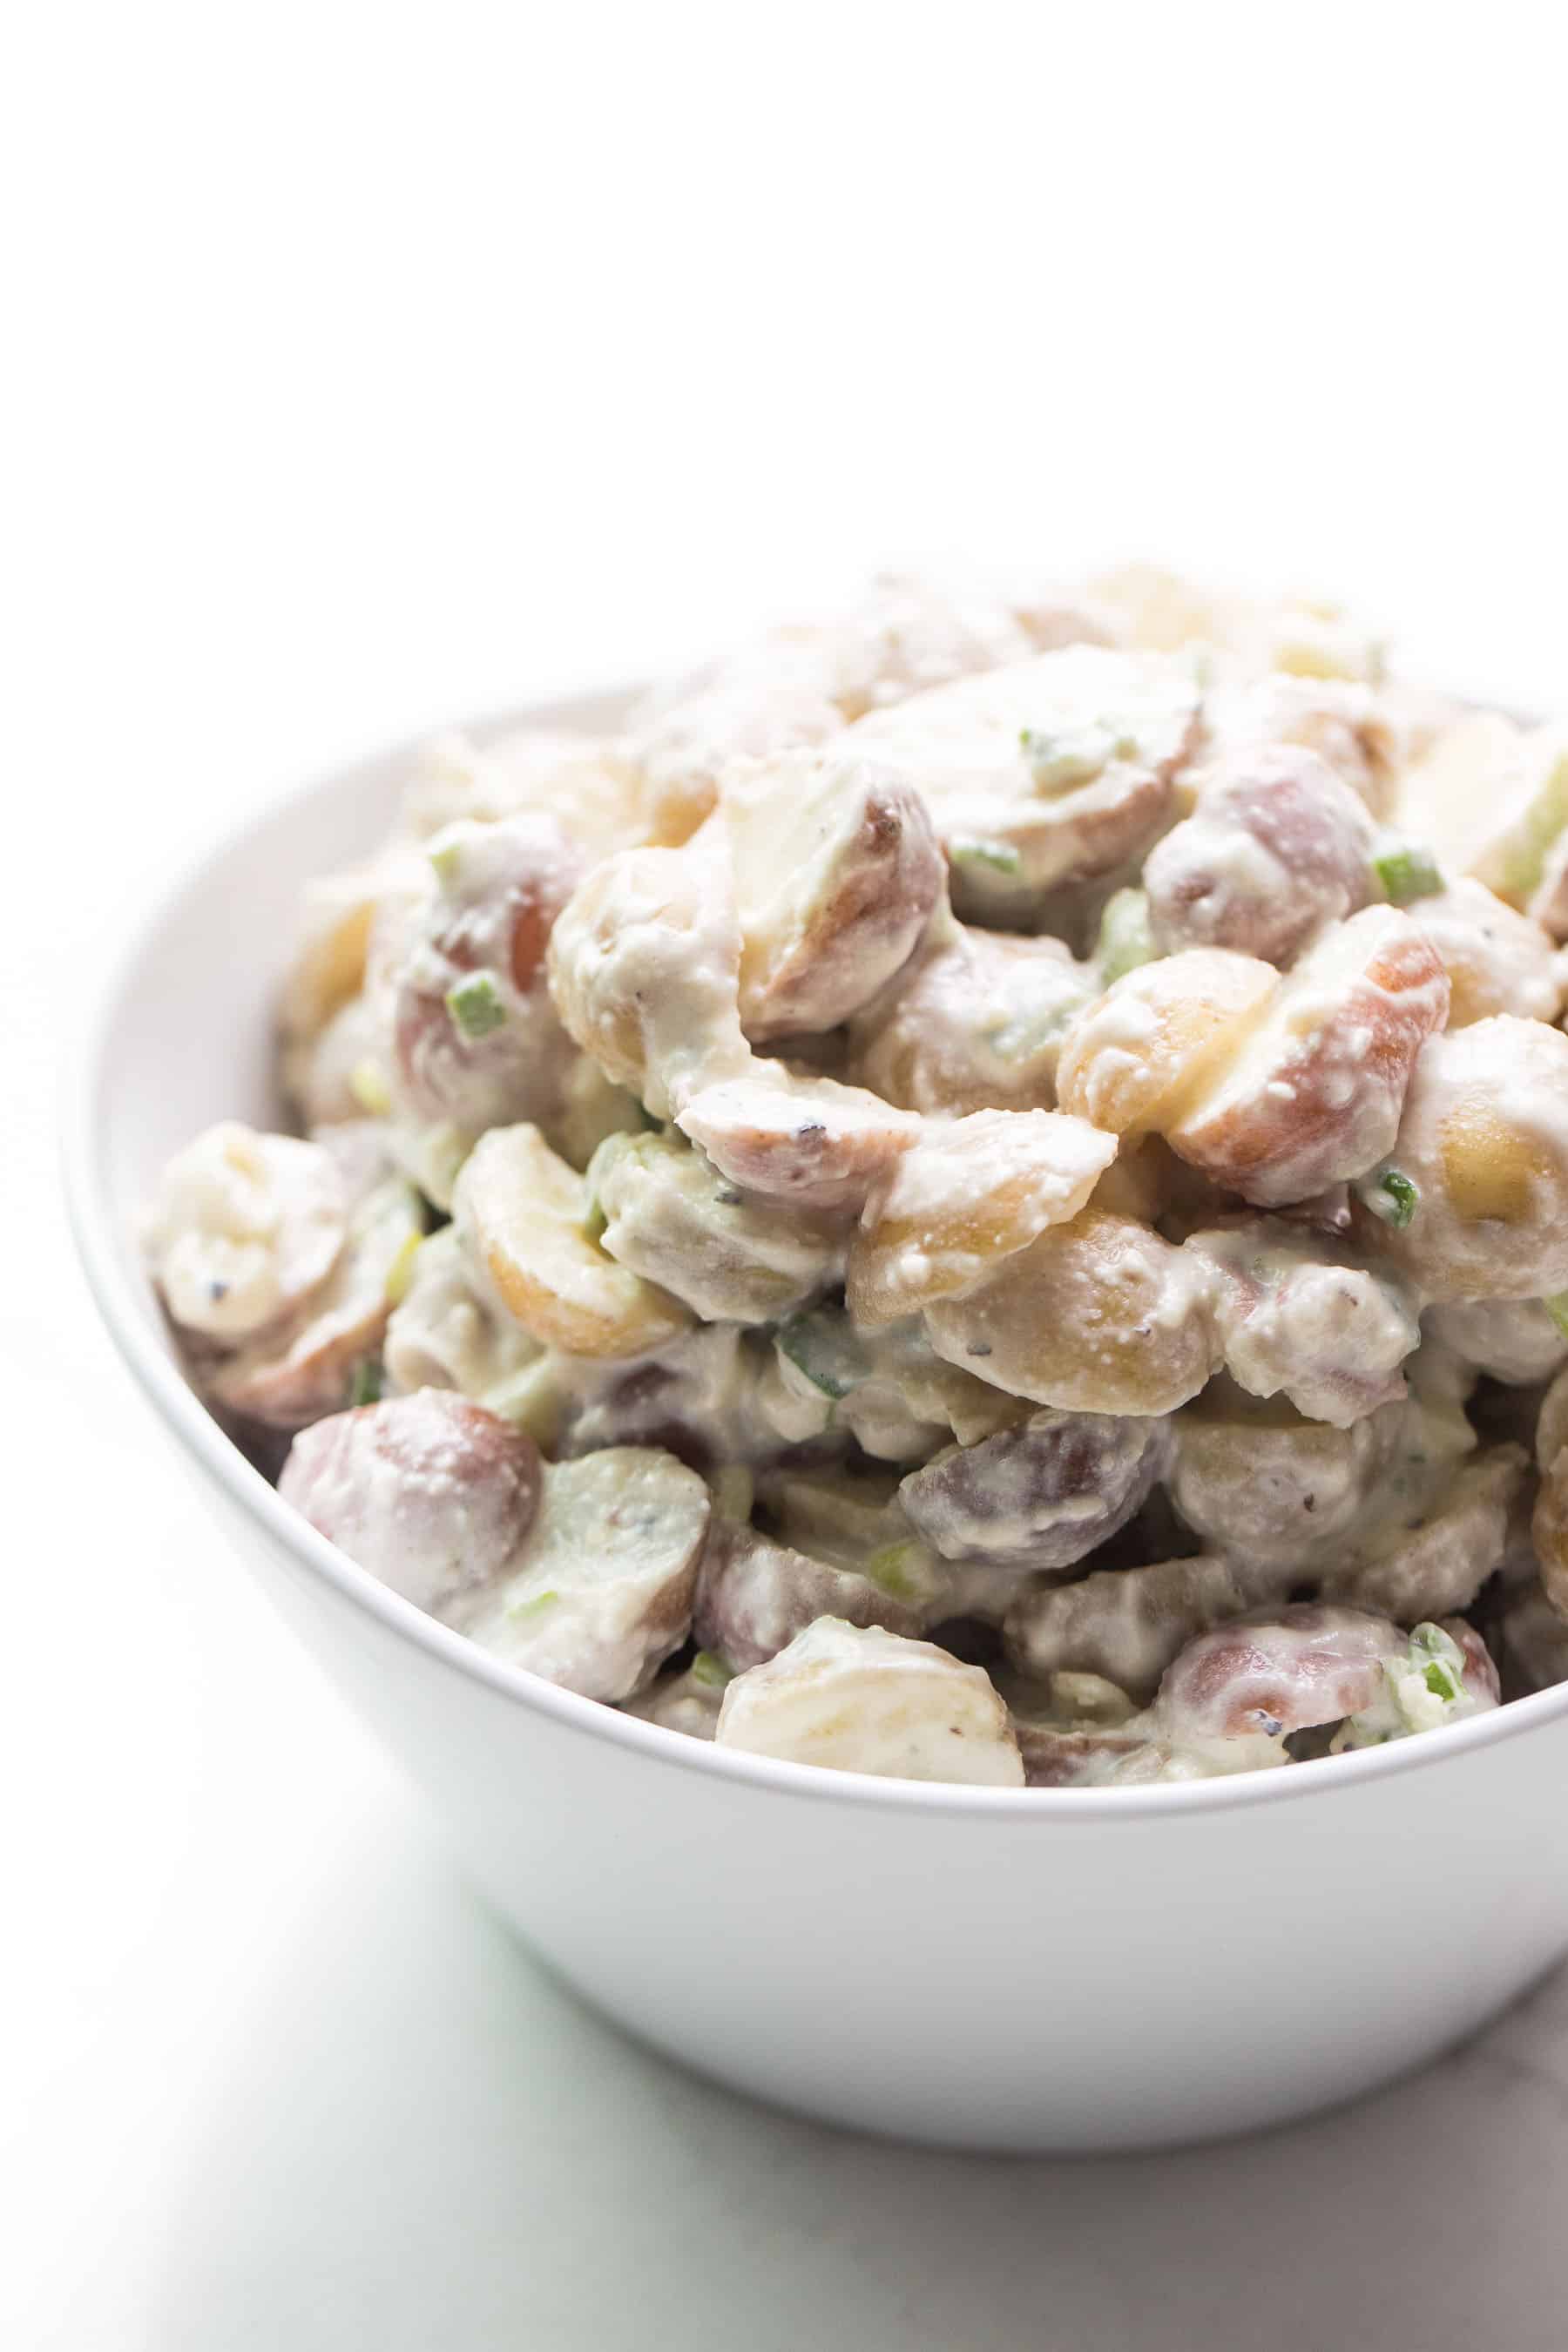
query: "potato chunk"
1303, 1666
1484, 1145
1491, 798
1314, 1093
244, 1227
475, 1038
601, 1590
1051, 771
1497, 960
792, 1136
1302, 1316
1098, 1316
862, 1700
430, 1493
753, 1596
975, 1024
1262, 1483
837, 871
1277, 848
1127, 1624
644, 969
672, 1218
1515, 1340
967, 1194
521, 1215
287, 1378
1133, 1060
1040, 1495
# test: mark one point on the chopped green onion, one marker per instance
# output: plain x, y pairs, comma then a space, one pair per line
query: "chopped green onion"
365, 1386
1407, 873
1060, 761
999, 856
1557, 1307
446, 856
886, 1568
1440, 1682
533, 1606
369, 1090
1391, 1195
1126, 939
476, 1006
400, 1273
710, 1671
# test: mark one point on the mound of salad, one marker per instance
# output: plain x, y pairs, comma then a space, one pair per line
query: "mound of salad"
979, 1193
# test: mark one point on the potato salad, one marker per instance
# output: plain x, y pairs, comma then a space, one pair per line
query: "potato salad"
979, 1193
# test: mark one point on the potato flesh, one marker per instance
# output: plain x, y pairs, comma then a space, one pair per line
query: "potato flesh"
602, 1592
729, 1256
520, 1214
968, 1193
862, 1700
1096, 1316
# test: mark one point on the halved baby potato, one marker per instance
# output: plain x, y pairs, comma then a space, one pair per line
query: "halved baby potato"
731, 1256
1430, 1562
1490, 797
1482, 1152
1301, 1316
793, 1136
1041, 1494
862, 1700
1096, 1316
1258, 1481
289, 1380
1133, 1060
602, 1592
432, 1493
975, 1023
968, 1193
1312, 1093
753, 1596
1048, 772
644, 967
522, 1216
837, 870
243, 1228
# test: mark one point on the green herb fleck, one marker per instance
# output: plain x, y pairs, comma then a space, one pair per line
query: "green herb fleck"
534, 1606
888, 1569
1391, 1195
475, 1006
710, 1671
1406, 874
1440, 1682
446, 856
998, 856
365, 1386
1126, 939
1557, 1307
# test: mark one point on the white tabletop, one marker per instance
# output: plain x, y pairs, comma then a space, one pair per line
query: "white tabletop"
387, 374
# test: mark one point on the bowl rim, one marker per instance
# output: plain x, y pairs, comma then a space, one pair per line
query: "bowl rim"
95, 1222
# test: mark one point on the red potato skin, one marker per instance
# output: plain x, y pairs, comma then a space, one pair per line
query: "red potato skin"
1304, 818
417, 1481
1274, 1152
891, 882
442, 1074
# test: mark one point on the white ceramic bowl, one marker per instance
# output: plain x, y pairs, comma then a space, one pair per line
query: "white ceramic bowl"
1037, 1970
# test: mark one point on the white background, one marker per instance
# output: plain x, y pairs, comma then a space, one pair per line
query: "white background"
368, 364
